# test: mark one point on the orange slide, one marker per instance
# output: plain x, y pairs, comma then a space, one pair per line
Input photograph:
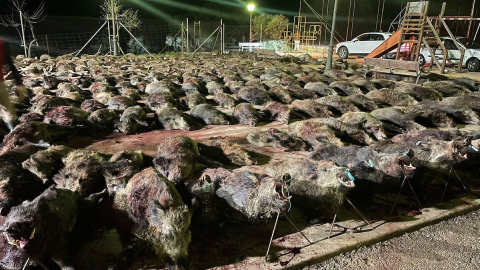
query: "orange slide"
389, 44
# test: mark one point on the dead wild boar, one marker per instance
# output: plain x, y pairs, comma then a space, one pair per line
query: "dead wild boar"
160, 216
254, 95
120, 103
313, 185
120, 168
91, 105
225, 100
312, 108
42, 227
209, 114
46, 163
279, 112
16, 183
173, 119
103, 119
176, 158
82, 172
132, 119
246, 114
253, 195
226, 152
275, 138
66, 116
368, 123
34, 133
194, 99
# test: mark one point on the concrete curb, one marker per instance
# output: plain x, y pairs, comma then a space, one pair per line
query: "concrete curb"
323, 248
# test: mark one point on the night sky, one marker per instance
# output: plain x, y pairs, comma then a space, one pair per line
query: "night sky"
90, 7
234, 11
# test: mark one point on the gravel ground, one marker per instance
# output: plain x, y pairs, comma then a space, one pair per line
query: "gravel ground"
451, 244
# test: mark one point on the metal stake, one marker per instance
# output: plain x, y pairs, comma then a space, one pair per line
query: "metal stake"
271, 238
41, 264
414, 194
459, 180
26, 263
446, 184
334, 219
400, 191
291, 223
358, 212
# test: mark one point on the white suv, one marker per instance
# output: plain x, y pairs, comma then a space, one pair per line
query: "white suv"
361, 45
471, 59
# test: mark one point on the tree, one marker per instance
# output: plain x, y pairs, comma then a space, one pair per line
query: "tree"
271, 27
276, 26
129, 18
258, 25
112, 10
26, 20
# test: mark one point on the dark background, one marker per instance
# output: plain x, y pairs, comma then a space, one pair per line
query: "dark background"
235, 10
71, 23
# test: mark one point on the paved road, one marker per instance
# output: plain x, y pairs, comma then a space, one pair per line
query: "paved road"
452, 244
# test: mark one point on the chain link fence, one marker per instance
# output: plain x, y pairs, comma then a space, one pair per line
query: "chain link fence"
63, 35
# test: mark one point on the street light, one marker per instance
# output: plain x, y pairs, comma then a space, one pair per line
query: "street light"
251, 7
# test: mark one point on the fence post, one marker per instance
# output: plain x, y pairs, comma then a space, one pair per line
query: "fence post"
182, 36
221, 36
188, 47
48, 47
223, 32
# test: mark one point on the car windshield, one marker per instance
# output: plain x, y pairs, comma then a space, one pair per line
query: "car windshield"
469, 43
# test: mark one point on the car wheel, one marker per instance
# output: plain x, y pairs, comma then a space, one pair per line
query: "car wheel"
343, 52
473, 64
421, 60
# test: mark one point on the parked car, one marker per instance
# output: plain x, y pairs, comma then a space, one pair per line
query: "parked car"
471, 59
362, 45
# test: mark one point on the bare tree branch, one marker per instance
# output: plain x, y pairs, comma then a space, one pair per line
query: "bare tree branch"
26, 19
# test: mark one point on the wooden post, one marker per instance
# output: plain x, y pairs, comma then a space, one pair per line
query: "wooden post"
462, 51
470, 21
182, 36
48, 47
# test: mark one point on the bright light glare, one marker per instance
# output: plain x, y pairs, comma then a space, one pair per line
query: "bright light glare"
251, 7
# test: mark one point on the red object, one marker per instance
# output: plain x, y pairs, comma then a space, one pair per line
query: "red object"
2, 60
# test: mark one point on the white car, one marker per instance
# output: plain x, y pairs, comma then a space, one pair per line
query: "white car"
471, 59
361, 45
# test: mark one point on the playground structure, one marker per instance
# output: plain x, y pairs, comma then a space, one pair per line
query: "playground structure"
417, 29
303, 36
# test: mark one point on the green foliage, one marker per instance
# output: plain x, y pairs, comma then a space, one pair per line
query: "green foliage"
135, 48
176, 43
127, 17
276, 45
259, 23
276, 26
271, 27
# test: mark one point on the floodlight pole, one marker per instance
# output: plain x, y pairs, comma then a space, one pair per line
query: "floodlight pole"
250, 26
332, 33
251, 8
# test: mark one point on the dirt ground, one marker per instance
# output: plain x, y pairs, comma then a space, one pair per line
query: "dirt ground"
452, 244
